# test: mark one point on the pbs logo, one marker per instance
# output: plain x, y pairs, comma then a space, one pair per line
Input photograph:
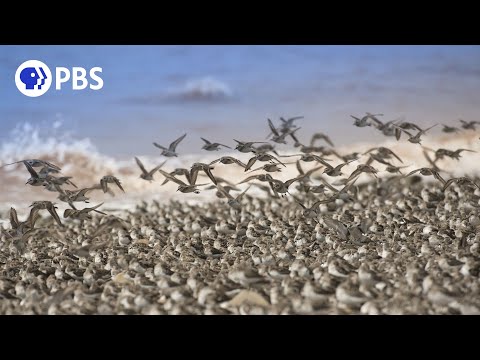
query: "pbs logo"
33, 78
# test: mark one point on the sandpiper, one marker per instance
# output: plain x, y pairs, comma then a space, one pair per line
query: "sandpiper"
171, 151
469, 125
277, 137
37, 163
337, 170
147, 175
450, 129
110, 179
261, 157
182, 187
384, 152
35, 179
320, 136
209, 146
427, 172
233, 202
460, 181
82, 214
415, 139
196, 167
227, 160
246, 147
45, 205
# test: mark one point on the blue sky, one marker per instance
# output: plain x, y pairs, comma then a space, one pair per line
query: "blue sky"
156, 93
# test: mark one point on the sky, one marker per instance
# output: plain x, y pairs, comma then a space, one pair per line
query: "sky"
157, 93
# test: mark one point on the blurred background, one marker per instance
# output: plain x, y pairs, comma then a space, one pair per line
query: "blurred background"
157, 93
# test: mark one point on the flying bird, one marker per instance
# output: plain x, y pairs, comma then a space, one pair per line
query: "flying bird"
110, 179
45, 205
147, 175
171, 151
209, 146
82, 214
182, 187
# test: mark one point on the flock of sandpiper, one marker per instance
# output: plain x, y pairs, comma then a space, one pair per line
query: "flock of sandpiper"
265, 152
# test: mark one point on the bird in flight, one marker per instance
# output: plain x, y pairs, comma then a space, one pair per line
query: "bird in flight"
45, 205
246, 147
428, 172
171, 151
82, 214
415, 139
110, 179
227, 160
321, 136
233, 202
37, 163
147, 175
460, 181
182, 187
209, 146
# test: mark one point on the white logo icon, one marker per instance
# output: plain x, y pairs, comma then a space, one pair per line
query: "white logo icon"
33, 78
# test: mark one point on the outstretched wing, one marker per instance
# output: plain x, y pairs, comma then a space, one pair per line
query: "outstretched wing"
238, 162
299, 168
401, 129
413, 172
311, 171
68, 181
209, 174
278, 161
340, 166
239, 197
94, 209
318, 136
159, 146
327, 184
172, 178
13, 218
424, 131
104, 185
253, 177
30, 169
224, 192
140, 165
118, 183
174, 144
193, 175
67, 213
51, 210
437, 176
460, 150
274, 131
155, 169
206, 141
429, 159
292, 134
292, 119
291, 181
250, 163
393, 154
33, 217
321, 160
